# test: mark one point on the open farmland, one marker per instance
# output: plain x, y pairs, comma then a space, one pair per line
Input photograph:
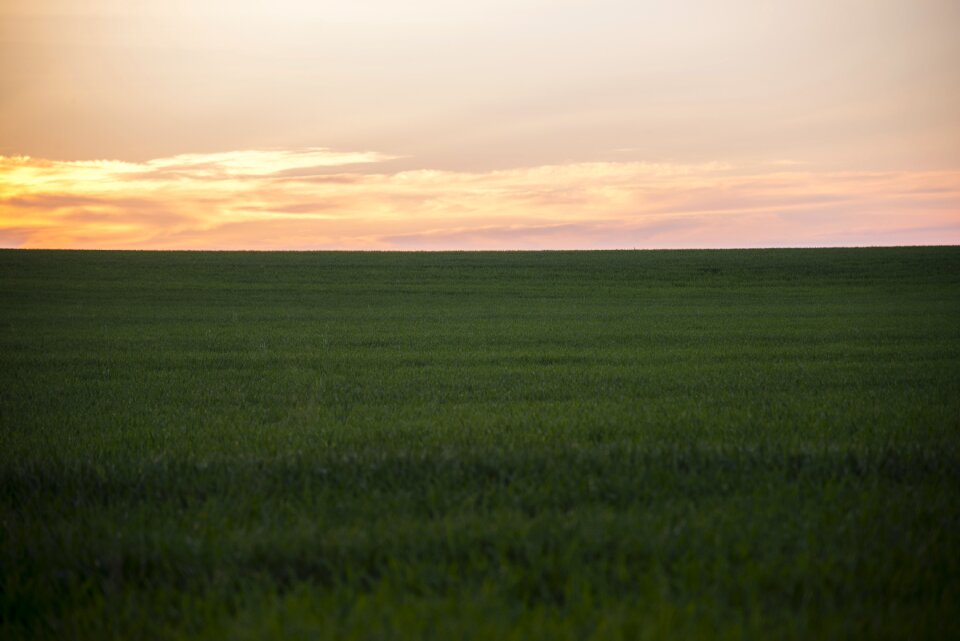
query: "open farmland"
744, 444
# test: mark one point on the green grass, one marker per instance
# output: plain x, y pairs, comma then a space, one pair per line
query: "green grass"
564, 445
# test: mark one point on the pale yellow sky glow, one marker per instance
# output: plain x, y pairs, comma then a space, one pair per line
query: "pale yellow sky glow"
526, 124
302, 200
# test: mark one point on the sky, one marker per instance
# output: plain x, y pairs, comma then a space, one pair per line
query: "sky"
503, 124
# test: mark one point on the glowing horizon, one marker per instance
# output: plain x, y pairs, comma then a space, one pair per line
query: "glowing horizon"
315, 199
503, 125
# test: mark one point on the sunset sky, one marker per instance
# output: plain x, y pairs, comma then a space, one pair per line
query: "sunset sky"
503, 124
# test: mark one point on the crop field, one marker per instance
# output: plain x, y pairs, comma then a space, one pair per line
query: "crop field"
759, 444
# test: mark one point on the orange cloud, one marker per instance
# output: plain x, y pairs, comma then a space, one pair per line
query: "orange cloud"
318, 199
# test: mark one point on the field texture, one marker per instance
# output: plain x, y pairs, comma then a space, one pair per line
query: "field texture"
622, 445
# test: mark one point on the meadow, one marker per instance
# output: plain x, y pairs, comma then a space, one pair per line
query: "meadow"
756, 444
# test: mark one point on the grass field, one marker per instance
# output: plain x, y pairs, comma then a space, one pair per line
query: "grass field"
563, 445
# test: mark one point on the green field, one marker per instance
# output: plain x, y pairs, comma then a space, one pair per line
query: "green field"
756, 444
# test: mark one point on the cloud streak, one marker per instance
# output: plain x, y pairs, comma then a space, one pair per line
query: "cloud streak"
321, 199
